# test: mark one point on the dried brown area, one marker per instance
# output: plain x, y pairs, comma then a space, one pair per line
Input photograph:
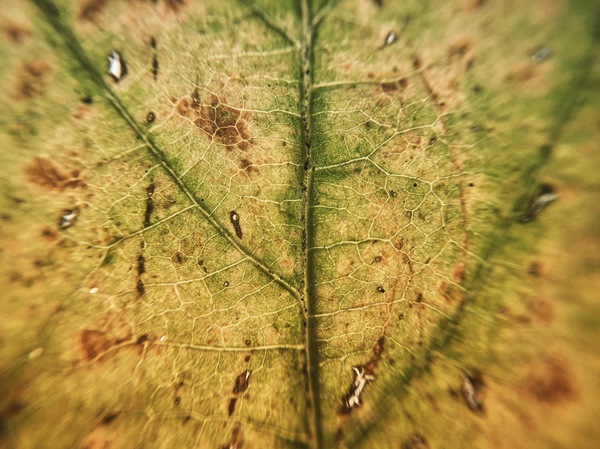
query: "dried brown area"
44, 173
552, 383
15, 33
93, 343
240, 386
91, 9
31, 80
110, 331
221, 122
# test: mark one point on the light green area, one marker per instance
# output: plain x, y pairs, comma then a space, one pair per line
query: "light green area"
396, 248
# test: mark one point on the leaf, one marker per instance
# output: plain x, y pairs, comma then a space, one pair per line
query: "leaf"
299, 224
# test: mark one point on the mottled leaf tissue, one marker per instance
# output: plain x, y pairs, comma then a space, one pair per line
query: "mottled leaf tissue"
299, 224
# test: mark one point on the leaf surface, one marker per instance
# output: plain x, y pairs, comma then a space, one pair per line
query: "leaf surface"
299, 224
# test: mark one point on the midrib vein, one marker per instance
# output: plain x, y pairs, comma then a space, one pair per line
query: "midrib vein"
307, 220
51, 13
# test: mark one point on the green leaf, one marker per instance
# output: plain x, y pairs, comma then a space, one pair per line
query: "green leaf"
353, 224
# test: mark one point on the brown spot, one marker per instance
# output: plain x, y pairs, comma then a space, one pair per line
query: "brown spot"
93, 343
91, 9
403, 83
141, 264
248, 166
231, 406
32, 79
15, 33
178, 257
459, 272
241, 382
551, 384
535, 269
108, 418
140, 288
460, 48
174, 5
219, 121
543, 310
234, 217
389, 87
44, 173
49, 234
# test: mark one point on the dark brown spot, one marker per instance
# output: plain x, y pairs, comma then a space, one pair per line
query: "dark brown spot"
179, 257
459, 48
44, 173
247, 358
231, 406
403, 83
86, 99
241, 382
141, 264
142, 339
247, 165
380, 289
150, 117
139, 287
93, 343
91, 9
377, 259
177, 400
248, 342
149, 205
389, 87
108, 418
235, 221
535, 269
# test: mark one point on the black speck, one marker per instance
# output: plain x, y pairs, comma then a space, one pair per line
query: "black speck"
150, 117
87, 99
380, 289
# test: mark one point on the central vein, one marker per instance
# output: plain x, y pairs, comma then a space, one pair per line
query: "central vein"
307, 292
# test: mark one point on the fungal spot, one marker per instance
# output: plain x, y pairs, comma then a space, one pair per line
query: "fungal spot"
235, 221
221, 122
226, 284
150, 117
541, 54
93, 343
178, 257
380, 289
471, 184
393, 193
44, 173
472, 387
117, 68
68, 218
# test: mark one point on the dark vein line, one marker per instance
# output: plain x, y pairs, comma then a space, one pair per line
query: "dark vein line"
52, 14
307, 220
